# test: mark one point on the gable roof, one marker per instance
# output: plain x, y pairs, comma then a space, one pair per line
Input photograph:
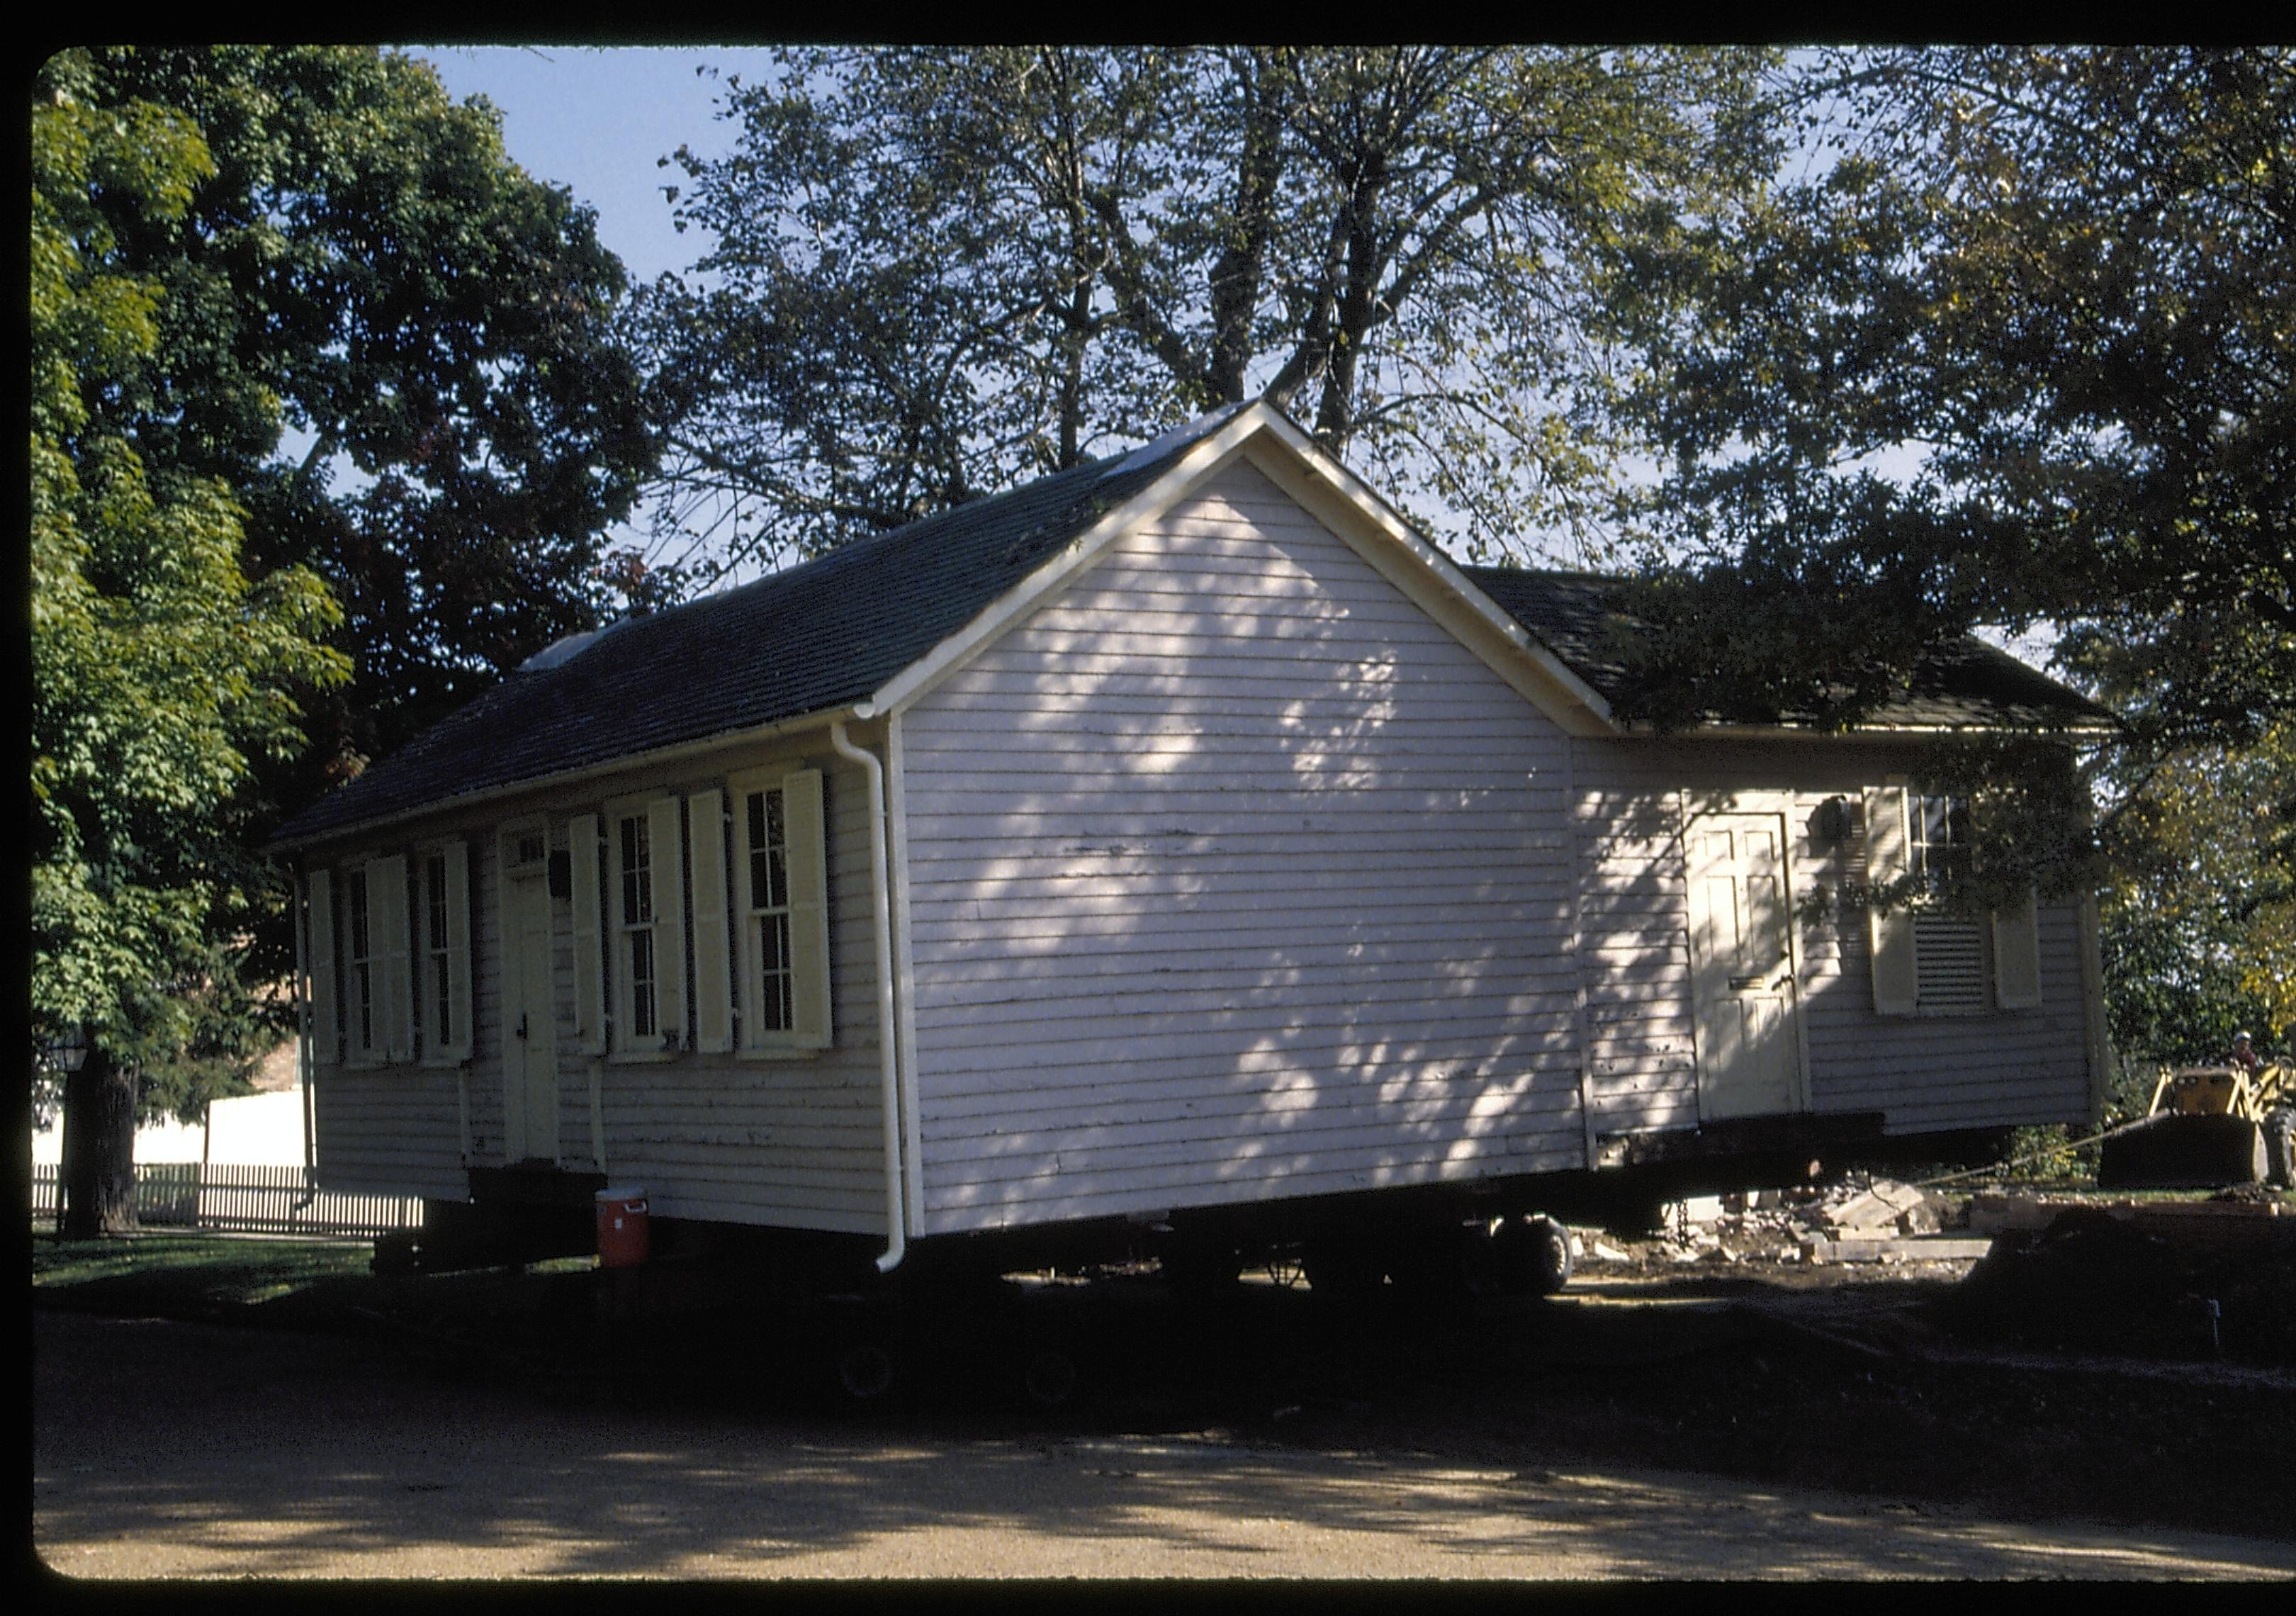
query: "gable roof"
834, 633
1969, 684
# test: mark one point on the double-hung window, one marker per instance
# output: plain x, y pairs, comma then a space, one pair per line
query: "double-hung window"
1949, 950
780, 908
361, 1016
378, 1005
635, 926
644, 931
443, 911
769, 910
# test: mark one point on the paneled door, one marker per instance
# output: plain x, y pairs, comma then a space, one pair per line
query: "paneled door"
1743, 984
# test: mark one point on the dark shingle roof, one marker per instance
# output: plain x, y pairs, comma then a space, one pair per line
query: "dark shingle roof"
818, 636
1577, 615
833, 632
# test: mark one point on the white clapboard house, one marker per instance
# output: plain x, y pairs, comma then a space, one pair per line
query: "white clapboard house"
1179, 833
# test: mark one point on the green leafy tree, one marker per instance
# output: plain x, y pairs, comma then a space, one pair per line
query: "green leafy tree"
2016, 352
397, 347
157, 666
932, 273
2200, 922
337, 367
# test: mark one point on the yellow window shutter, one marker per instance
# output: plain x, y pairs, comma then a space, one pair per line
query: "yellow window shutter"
808, 884
326, 1037
456, 1045
2017, 956
386, 897
713, 1002
589, 966
1896, 985
668, 919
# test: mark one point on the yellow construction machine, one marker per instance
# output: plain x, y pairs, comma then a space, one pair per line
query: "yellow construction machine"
2205, 1130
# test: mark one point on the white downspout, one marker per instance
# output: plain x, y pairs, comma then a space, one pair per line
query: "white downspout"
303, 1031
896, 1216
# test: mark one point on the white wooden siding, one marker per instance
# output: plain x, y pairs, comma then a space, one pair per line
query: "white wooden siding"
791, 1141
1233, 875
397, 1129
1924, 1073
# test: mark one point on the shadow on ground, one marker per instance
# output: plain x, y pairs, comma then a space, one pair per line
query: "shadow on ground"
168, 1448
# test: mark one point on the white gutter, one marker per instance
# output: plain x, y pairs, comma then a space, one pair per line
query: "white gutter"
888, 1044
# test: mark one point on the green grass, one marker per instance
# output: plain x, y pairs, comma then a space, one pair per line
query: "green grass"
222, 1265
323, 1284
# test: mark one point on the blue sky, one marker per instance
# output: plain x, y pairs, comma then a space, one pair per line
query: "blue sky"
597, 120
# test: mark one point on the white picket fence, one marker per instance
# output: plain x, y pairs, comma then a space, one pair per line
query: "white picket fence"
244, 1200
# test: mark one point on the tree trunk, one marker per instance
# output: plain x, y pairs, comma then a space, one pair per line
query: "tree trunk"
98, 1180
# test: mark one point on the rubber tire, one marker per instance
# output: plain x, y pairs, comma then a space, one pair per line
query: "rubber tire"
1547, 1247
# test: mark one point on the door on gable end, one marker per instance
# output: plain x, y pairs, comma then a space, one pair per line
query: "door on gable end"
529, 1032
1744, 994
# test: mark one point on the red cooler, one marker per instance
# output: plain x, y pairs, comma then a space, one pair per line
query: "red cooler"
621, 1228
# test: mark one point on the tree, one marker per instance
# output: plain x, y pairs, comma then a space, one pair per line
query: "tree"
934, 272
156, 665
397, 348
2018, 353
2199, 923
335, 366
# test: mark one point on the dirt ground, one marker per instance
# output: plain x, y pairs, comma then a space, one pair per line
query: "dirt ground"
1661, 1418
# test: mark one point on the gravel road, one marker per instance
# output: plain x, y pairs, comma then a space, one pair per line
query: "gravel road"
177, 1449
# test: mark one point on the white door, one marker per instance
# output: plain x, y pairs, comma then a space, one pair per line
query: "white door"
529, 1024
1742, 968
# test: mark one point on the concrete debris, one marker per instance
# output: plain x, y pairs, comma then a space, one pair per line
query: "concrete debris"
1864, 1220
1892, 1249
1883, 1207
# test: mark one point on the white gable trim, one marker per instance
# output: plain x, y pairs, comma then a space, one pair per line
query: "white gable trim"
1261, 434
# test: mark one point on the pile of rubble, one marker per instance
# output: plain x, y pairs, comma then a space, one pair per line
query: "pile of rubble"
1862, 1219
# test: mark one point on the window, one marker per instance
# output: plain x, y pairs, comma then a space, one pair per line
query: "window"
390, 959
636, 955
1925, 961
769, 912
1949, 951
1938, 839
322, 996
780, 909
644, 956
378, 1007
359, 967
443, 966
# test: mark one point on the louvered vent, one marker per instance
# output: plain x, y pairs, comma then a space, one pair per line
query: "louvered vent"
1949, 963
